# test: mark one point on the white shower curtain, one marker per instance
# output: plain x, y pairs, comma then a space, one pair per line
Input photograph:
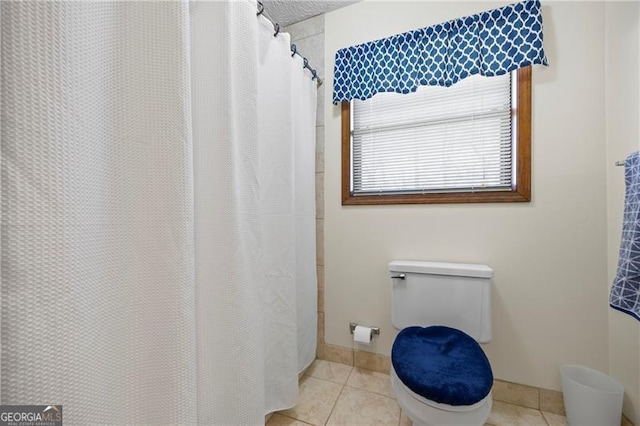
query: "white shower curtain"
278, 224
304, 113
157, 222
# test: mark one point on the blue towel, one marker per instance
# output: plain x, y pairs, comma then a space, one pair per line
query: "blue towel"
625, 291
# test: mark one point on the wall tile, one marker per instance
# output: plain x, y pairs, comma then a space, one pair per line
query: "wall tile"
319, 149
319, 195
306, 28
503, 414
513, 393
338, 354
372, 361
320, 242
320, 342
320, 113
320, 275
308, 36
312, 48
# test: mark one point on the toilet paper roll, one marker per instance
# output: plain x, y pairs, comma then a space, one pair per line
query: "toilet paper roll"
362, 335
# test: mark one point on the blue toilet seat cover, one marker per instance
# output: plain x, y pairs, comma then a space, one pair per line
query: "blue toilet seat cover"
442, 364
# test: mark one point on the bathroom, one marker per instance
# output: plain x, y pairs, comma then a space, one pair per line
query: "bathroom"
554, 258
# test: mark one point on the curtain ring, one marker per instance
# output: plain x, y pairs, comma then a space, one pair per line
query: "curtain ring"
294, 49
314, 75
277, 28
260, 9
305, 61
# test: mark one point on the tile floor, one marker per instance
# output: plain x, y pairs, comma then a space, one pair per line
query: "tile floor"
336, 394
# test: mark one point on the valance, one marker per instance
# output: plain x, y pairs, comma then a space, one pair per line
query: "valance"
489, 43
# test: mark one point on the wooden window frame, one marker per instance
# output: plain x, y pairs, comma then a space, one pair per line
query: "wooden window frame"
521, 192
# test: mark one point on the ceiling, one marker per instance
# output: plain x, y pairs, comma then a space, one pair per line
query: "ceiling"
287, 12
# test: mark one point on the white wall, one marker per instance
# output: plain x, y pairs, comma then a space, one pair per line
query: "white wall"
622, 112
549, 256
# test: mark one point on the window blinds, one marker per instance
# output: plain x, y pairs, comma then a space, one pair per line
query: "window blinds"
438, 139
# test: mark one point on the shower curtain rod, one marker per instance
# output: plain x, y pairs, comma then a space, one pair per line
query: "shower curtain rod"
294, 49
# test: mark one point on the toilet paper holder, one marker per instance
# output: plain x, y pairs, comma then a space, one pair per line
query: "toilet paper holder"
375, 331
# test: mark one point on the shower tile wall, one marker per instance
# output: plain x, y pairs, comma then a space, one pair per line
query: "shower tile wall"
308, 36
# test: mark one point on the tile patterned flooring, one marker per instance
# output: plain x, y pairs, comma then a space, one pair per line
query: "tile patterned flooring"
335, 394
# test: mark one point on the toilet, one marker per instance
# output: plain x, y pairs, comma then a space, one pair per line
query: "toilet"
439, 373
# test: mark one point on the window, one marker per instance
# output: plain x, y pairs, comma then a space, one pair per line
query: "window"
468, 143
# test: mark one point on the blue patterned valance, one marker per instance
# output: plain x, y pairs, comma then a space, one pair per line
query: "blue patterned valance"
489, 43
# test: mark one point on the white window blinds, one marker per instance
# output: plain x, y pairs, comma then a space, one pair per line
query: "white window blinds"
438, 139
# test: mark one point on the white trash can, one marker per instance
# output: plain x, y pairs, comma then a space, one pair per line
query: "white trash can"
591, 398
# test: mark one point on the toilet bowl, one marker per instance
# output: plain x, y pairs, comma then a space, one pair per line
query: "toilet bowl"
440, 374
424, 412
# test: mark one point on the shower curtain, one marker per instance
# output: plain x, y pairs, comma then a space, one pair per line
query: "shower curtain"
157, 238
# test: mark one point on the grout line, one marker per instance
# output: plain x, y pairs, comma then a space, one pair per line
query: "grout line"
353, 368
371, 392
334, 404
539, 405
327, 380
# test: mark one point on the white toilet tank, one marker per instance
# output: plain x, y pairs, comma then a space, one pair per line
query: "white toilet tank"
456, 295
